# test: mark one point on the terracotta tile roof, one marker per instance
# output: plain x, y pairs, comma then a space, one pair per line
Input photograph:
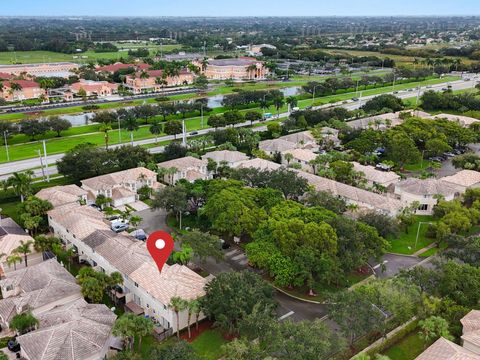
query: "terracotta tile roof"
471, 321
301, 154
5, 76
120, 66
36, 286
464, 178
463, 120
107, 181
443, 349
276, 145
242, 61
428, 187
61, 195
303, 137
183, 163
374, 175
79, 220
11, 235
92, 86
75, 331
225, 155
260, 164
23, 83
120, 193
376, 201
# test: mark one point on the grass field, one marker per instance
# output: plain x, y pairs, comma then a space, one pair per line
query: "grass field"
404, 243
408, 348
25, 57
208, 345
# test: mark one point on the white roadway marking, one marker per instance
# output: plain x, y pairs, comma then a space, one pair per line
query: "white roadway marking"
286, 315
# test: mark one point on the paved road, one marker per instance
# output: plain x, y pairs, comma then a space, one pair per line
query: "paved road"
393, 264
21, 165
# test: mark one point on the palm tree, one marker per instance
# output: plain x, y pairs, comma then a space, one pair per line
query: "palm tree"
250, 69
14, 258
105, 128
144, 75
278, 102
204, 64
21, 183
130, 123
24, 248
193, 306
288, 157
14, 88
177, 304
156, 129
292, 101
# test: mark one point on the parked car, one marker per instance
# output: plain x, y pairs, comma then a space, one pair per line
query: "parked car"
436, 159
267, 116
119, 227
13, 345
449, 154
383, 167
194, 133
95, 206
139, 234
355, 99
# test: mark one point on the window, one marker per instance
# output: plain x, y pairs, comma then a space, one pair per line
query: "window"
136, 285
423, 207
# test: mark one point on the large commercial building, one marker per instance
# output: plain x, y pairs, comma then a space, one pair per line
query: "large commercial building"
57, 69
237, 69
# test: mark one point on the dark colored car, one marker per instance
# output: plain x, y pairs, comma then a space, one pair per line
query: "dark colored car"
13, 345
194, 133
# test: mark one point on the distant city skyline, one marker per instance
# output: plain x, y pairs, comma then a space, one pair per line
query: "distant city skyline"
245, 8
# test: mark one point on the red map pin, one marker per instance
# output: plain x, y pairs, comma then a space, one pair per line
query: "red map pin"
160, 245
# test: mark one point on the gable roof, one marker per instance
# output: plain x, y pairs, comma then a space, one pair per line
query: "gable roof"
462, 120
11, 235
23, 83
259, 164
183, 163
301, 154
374, 175
121, 177
61, 195
225, 155
443, 349
428, 187
276, 145
80, 220
76, 331
299, 137
464, 178
37, 285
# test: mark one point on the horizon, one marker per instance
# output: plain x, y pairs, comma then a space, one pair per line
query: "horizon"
249, 8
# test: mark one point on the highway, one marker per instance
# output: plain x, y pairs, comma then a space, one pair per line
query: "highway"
21, 165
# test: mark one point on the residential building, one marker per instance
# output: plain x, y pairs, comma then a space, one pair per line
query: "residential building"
58, 69
376, 177
302, 139
76, 330
276, 146
465, 121
182, 56
364, 199
330, 137
299, 156
68, 328
94, 88
426, 192
242, 68
188, 168
11, 237
154, 80
465, 179
36, 288
18, 90
110, 69
259, 164
6, 76
121, 186
230, 158
62, 195
444, 349
385, 121
256, 50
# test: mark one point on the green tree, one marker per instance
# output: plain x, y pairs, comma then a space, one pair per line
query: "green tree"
105, 128
172, 198
130, 123
173, 127
180, 350
156, 129
25, 249
432, 328
402, 150
23, 323
203, 244
13, 259
143, 327
21, 183
177, 304
57, 124
233, 295
125, 327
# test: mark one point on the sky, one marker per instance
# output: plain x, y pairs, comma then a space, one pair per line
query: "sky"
238, 7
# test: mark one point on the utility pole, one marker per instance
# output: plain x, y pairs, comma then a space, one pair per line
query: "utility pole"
313, 95
6, 145
201, 114
46, 161
119, 132
184, 134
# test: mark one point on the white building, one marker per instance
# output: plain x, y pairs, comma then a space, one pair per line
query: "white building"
426, 192
465, 179
188, 168
276, 146
376, 177
227, 157
61, 195
299, 156
121, 186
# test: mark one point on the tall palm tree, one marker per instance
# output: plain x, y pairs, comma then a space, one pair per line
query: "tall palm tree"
251, 69
143, 76
130, 123
13, 259
21, 183
292, 101
278, 102
204, 64
105, 128
156, 129
24, 249
177, 304
193, 307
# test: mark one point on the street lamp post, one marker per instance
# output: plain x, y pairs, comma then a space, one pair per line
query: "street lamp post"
418, 231
41, 162
201, 114
356, 89
313, 95
6, 145
119, 132
46, 161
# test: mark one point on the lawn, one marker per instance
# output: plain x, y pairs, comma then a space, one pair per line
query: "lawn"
408, 348
208, 344
404, 243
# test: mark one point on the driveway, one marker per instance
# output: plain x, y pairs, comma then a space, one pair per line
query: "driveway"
394, 263
153, 220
